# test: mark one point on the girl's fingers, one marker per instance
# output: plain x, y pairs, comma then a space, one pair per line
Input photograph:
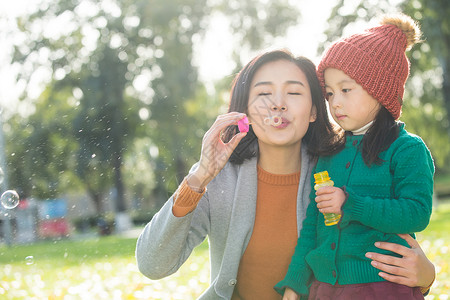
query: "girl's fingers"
330, 210
323, 198
325, 190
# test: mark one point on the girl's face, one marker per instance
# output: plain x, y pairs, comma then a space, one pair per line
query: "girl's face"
280, 89
350, 105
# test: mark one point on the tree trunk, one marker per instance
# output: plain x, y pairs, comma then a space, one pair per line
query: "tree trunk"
118, 183
97, 199
446, 85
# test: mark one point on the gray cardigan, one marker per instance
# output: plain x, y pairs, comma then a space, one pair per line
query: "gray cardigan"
226, 214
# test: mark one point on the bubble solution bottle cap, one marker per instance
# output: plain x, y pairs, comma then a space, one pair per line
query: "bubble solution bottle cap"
321, 177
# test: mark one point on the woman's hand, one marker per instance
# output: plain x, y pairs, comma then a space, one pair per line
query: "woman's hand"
290, 295
412, 269
215, 153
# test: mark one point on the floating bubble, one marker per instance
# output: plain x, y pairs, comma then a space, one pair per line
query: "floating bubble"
9, 199
29, 260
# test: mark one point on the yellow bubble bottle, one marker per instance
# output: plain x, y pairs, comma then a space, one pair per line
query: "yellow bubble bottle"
323, 179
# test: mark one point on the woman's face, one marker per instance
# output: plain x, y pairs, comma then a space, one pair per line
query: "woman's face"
280, 89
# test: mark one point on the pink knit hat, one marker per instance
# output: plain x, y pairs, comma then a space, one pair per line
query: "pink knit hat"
376, 59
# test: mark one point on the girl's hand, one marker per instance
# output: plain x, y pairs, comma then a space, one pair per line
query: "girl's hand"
412, 269
290, 295
330, 199
215, 153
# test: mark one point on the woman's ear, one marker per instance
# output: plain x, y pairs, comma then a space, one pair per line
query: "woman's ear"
313, 115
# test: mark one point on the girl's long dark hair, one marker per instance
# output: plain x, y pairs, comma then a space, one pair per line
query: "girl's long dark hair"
383, 132
321, 136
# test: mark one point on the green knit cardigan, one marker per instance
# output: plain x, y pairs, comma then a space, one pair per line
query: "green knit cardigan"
382, 200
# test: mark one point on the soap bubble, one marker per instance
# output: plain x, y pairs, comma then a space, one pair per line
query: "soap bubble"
9, 199
29, 260
273, 120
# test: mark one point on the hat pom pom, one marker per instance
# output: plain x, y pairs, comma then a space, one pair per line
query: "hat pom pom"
406, 24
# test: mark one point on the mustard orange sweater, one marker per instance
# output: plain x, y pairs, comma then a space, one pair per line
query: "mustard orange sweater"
267, 256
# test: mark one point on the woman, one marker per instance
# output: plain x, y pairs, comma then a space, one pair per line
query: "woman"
258, 185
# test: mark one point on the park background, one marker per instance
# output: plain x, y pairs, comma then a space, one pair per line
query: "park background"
104, 105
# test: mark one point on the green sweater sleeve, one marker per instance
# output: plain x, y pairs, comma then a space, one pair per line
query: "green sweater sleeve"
410, 208
299, 274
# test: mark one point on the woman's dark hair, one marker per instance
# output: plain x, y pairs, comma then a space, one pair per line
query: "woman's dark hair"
321, 136
383, 132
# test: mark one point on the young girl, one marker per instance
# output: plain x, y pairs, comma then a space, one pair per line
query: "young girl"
383, 175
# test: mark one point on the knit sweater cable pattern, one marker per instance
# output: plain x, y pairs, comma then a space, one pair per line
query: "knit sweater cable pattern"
382, 200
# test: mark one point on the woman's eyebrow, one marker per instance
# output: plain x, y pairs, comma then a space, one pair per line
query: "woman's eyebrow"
295, 82
263, 83
270, 83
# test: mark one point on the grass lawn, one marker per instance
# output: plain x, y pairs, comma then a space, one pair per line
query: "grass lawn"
105, 268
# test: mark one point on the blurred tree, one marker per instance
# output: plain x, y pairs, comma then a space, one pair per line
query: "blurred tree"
101, 127
426, 108
39, 152
129, 66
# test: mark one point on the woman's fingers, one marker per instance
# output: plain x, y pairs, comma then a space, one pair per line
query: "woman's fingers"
412, 268
230, 146
397, 279
222, 122
397, 248
215, 152
236, 139
389, 264
393, 268
385, 259
409, 239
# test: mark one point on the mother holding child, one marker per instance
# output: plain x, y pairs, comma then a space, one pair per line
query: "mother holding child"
250, 191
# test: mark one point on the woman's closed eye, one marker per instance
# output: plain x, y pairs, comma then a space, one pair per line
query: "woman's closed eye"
264, 94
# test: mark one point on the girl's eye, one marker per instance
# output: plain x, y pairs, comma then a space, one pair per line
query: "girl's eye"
346, 90
328, 95
294, 93
264, 94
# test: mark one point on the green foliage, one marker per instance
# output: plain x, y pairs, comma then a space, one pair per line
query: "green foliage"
122, 75
39, 154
